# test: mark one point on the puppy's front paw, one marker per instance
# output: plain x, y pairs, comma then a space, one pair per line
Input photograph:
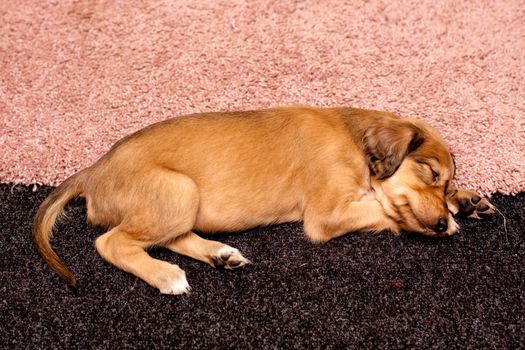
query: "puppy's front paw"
470, 204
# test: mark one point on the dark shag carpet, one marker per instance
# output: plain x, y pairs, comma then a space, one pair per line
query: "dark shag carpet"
359, 291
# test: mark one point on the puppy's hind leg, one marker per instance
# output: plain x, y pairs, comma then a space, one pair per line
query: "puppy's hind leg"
158, 207
122, 250
211, 252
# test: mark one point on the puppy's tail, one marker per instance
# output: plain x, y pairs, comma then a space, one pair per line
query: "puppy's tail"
47, 215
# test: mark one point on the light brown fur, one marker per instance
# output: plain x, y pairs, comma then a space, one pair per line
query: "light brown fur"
338, 170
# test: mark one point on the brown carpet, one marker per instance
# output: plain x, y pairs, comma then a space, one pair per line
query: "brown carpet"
75, 76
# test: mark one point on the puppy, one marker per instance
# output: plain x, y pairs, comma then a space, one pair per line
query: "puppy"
337, 170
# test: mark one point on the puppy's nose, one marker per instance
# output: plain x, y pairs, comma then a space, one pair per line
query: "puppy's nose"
441, 225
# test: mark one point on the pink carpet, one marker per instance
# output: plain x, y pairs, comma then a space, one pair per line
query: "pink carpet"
78, 75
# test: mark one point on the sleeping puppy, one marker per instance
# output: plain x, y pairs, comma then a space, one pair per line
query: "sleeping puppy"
337, 170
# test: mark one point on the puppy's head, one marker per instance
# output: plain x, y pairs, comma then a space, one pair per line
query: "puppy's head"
412, 171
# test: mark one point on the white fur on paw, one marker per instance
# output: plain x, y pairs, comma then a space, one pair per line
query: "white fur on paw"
229, 258
177, 286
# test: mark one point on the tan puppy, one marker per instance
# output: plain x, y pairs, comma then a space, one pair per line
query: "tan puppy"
338, 170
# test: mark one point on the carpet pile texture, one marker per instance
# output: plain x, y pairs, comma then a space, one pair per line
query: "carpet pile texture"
359, 291
75, 76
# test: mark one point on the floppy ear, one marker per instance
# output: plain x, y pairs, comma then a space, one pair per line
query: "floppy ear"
387, 143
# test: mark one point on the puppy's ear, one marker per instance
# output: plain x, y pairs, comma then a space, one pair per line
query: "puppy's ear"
387, 143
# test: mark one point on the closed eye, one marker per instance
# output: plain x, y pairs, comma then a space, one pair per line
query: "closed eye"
435, 175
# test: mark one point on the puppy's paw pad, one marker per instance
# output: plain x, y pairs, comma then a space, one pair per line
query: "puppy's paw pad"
475, 199
229, 258
484, 208
466, 207
470, 204
481, 207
